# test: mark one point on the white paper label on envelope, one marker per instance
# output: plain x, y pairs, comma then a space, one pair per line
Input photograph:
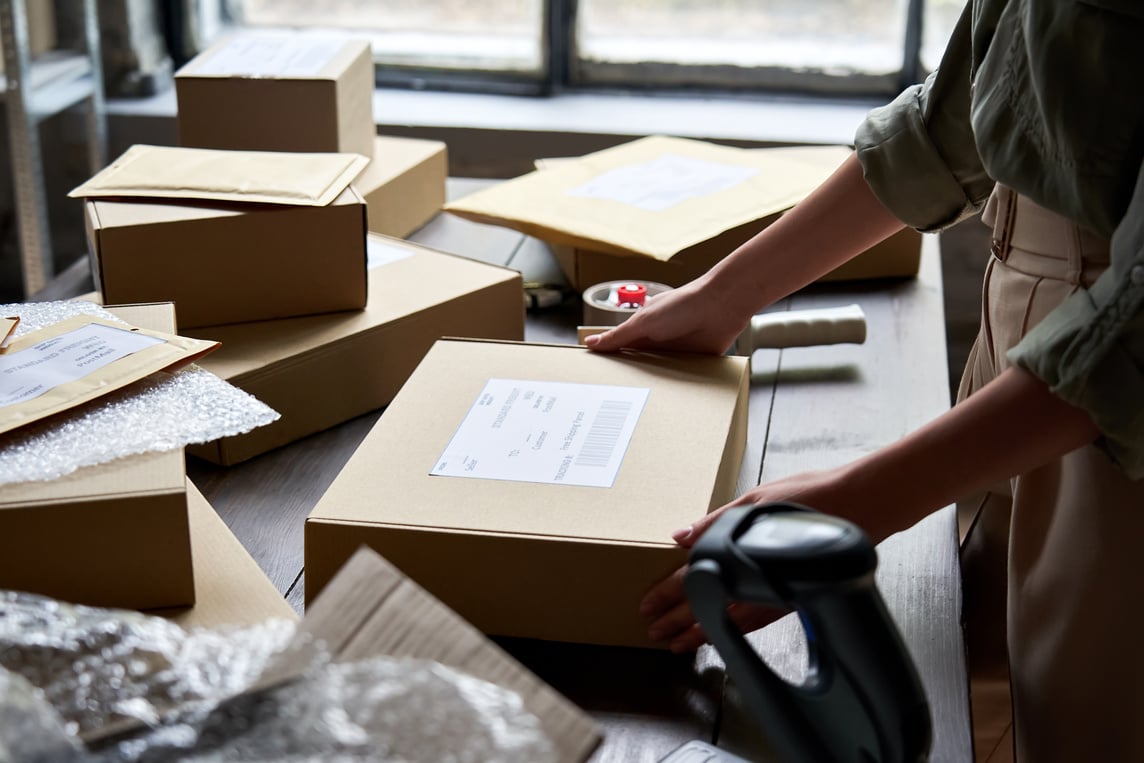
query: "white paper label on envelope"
378, 253
270, 57
29, 373
556, 433
663, 182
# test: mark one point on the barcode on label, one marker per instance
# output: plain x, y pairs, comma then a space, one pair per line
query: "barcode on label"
605, 431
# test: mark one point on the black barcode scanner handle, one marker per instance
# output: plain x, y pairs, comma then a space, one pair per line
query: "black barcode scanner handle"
862, 700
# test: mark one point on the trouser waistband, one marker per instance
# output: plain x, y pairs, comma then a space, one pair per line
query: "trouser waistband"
1035, 240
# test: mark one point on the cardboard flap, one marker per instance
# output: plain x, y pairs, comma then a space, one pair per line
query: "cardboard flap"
653, 197
371, 609
268, 177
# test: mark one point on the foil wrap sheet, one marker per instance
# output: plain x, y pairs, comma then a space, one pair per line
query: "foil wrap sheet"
139, 688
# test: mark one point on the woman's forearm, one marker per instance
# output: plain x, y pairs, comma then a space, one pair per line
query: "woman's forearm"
1009, 427
838, 221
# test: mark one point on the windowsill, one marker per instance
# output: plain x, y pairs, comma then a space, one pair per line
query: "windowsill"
499, 135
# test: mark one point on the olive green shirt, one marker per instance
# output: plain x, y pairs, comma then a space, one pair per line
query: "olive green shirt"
1043, 96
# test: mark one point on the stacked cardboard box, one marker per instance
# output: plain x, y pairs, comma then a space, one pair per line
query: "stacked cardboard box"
293, 93
312, 324
228, 236
112, 535
278, 93
322, 370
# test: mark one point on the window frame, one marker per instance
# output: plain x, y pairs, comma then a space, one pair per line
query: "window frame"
561, 70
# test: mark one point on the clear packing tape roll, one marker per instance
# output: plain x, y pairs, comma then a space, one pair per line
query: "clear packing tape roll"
96, 685
162, 412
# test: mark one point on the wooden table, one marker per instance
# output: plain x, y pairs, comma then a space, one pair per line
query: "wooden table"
810, 408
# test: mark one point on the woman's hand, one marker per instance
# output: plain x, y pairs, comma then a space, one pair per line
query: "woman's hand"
666, 605
1010, 426
692, 318
837, 221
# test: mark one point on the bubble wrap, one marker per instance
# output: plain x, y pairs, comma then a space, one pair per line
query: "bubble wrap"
160, 413
30, 730
96, 668
100, 667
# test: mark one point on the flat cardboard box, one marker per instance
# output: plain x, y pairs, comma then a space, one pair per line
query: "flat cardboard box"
226, 262
112, 535
667, 209
322, 370
552, 561
232, 590
278, 93
404, 184
371, 609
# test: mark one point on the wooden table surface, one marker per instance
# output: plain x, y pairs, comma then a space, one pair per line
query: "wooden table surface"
809, 408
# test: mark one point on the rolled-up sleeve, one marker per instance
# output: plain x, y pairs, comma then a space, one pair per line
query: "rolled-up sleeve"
1090, 350
918, 153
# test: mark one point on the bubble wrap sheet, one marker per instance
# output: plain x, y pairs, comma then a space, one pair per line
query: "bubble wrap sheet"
66, 670
162, 412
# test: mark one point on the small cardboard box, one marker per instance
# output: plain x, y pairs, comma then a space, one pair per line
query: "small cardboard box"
322, 370
232, 590
542, 559
112, 535
278, 93
371, 609
226, 262
667, 209
404, 184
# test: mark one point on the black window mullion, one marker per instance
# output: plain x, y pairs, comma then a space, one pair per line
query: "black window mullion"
559, 43
912, 54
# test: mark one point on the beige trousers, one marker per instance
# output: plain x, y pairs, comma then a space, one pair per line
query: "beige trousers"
1075, 527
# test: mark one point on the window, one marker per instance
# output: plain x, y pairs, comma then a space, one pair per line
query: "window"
840, 46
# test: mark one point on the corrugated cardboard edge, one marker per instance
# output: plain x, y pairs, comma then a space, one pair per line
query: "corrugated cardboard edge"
232, 590
370, 609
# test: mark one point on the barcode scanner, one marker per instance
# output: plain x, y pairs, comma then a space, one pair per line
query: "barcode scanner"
861, 700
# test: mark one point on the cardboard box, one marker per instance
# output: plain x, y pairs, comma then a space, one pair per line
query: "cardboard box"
278, 93
404, 184
371, 609
566, 562
231, 589
667, 209
322, 370
227, 262
112, 535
